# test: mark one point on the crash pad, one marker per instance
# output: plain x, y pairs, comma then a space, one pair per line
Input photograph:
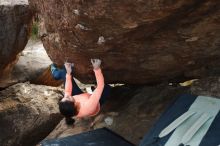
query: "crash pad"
98, 137
175, 110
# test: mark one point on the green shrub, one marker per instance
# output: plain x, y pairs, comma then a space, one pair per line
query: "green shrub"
34, 30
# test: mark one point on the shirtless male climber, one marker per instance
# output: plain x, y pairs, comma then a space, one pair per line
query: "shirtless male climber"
75, 103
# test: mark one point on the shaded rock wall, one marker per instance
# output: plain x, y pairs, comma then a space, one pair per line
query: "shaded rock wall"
27, 114
132, 110
138, 41
15, 24
207, 87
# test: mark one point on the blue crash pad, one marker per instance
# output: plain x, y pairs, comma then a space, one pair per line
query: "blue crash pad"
176, 109
98, 137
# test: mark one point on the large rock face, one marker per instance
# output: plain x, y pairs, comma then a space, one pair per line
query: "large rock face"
15, 23
27, 114
141, 41
207, 87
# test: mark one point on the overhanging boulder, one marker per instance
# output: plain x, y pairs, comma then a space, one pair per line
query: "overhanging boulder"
138, 41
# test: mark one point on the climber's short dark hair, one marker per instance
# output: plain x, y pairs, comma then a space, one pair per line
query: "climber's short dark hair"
68, 109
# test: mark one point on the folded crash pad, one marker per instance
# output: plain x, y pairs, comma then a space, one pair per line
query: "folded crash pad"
98, 137
161, 134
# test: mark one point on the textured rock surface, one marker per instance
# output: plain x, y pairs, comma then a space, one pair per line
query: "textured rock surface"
139, 41
27, 114
15, 23
207, 87
130, 112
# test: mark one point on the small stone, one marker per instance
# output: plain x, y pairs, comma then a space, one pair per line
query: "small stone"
108, 121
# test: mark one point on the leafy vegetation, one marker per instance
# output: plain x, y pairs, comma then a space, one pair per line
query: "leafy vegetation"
34, 30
